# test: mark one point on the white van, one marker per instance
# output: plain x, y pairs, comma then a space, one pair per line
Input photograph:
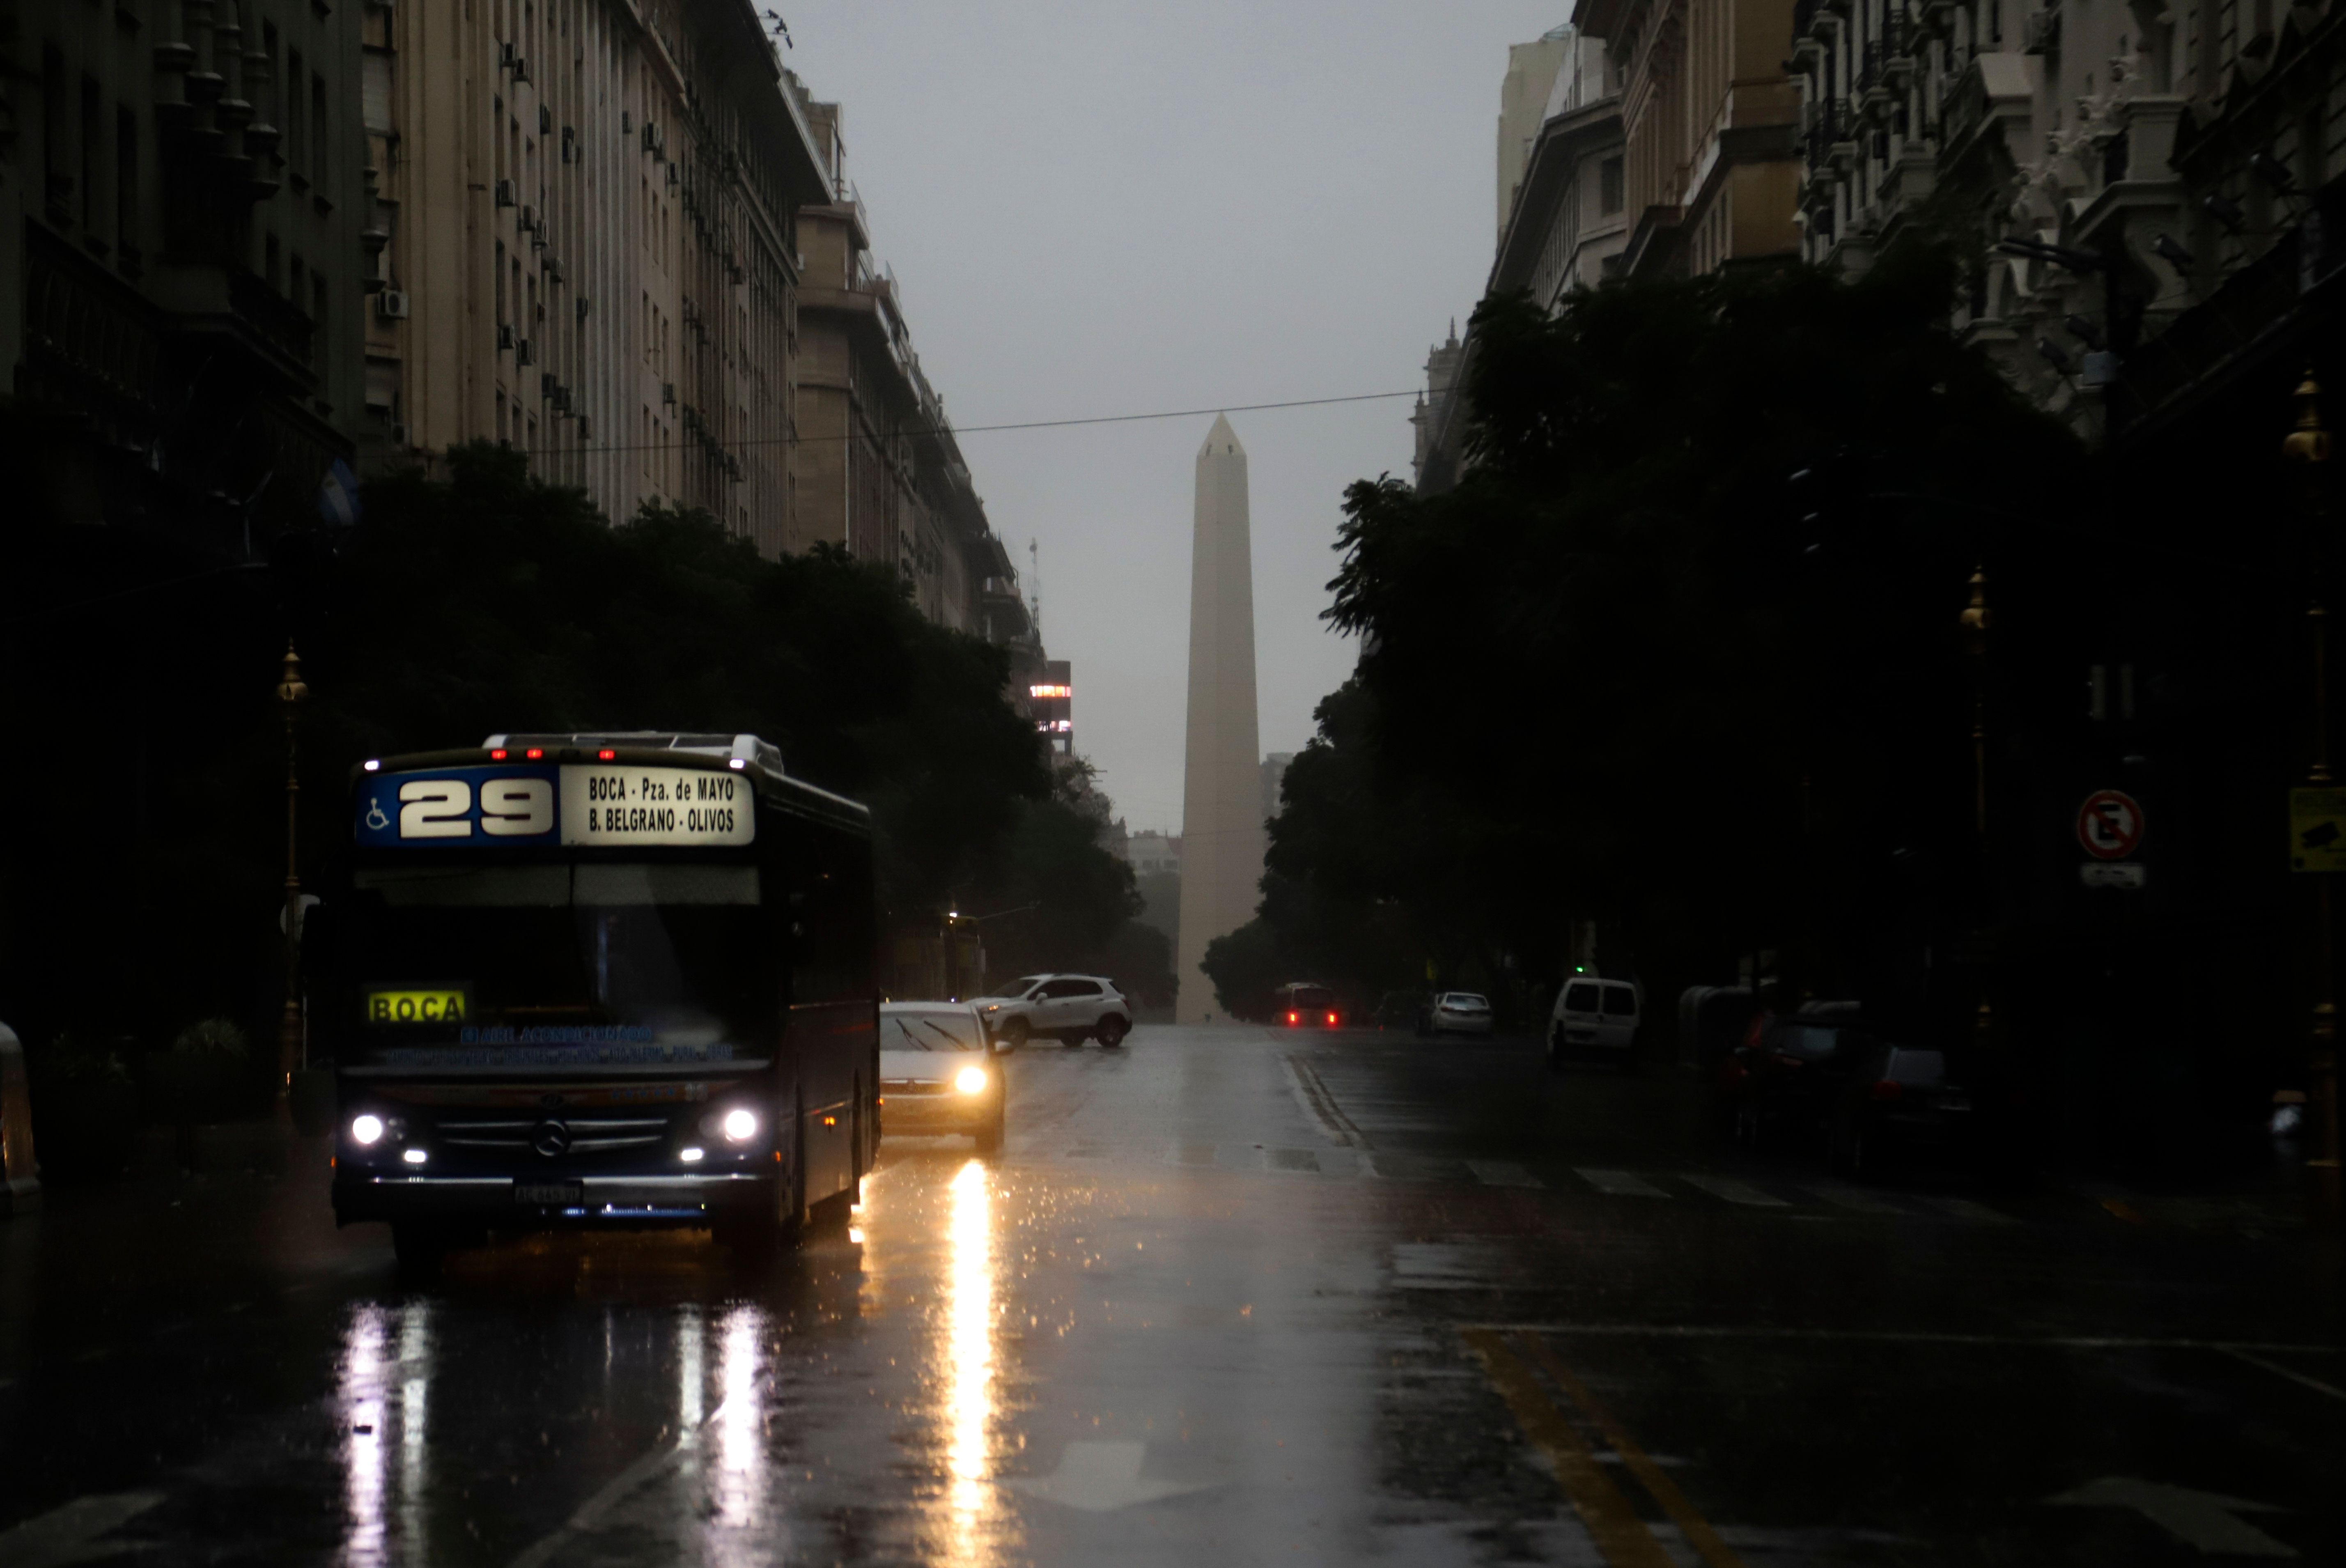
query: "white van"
1594, 1014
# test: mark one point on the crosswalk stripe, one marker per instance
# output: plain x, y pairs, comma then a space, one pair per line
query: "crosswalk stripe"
1733, 1191
1850, 1199
1502, 1173
1964, 1208
1620, 1183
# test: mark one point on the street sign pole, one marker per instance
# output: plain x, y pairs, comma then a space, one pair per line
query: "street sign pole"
2308, 446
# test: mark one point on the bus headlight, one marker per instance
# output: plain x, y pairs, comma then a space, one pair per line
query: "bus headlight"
739, 1126
970, 1081
366, 1130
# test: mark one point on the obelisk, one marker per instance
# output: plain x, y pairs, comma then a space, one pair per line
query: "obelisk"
1221, 797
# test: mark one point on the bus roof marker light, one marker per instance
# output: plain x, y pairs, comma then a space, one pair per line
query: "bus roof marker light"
497, 754
735, 762
535, 753
373, 765
607, 755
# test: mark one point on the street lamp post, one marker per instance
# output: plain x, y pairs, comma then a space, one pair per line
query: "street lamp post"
290, 695
2308, 446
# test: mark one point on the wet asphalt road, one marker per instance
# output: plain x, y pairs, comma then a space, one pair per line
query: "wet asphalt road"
1228, 1295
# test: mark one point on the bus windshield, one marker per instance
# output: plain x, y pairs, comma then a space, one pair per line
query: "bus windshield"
552, 953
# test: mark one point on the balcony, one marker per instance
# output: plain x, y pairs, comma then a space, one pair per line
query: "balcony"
282, 324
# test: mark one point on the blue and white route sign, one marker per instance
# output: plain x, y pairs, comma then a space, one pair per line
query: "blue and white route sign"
519, 806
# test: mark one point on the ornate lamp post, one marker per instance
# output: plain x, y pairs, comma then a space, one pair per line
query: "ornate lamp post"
290, 695
2308, 446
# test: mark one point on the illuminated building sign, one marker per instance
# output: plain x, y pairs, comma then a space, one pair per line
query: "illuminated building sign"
1050, 691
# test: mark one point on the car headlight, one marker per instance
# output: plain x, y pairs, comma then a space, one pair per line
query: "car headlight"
970, 1081
366, 1130
740, 1125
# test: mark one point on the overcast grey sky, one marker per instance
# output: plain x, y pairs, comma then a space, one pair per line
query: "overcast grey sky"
1104, 208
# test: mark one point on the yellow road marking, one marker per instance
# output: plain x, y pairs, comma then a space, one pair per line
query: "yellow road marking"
1619, 1535
1696, 1529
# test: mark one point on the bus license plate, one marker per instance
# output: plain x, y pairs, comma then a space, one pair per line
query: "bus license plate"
558, 1194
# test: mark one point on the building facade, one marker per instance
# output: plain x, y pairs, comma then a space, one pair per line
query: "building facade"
2144, 196
588, 208
1565, 225
1709, 118
878, 469
181, 260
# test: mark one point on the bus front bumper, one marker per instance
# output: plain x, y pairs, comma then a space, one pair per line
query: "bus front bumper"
612, 1199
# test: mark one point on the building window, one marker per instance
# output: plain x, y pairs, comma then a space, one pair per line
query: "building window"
126, 183
55, 165
296, 148
1610, 195
90, 156
320, 154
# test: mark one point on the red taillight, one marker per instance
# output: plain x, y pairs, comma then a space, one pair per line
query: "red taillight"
1885, 1090
535, 753
606, 755
1293, 1018
1332, 1020
498, 754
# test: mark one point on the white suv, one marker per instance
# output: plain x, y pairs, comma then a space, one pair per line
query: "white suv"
1072, 1008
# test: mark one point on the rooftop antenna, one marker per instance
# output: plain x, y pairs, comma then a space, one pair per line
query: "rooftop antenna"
1035, 584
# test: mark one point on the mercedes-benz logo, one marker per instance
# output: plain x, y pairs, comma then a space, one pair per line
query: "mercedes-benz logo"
550, 1138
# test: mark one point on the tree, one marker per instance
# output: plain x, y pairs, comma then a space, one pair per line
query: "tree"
488, 601
1632, 668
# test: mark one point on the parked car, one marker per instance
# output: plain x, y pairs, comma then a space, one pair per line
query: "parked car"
937, 1075
1594, 1015
1456, 1013
1305, 1006
1897, 1103
1787, 1076
1070, 1008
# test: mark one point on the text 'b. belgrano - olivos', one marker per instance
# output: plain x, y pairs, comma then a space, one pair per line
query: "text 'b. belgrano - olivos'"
1222, 800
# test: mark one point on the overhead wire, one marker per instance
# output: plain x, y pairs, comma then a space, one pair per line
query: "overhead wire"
954, 429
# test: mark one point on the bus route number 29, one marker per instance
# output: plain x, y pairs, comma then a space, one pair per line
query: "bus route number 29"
443, 808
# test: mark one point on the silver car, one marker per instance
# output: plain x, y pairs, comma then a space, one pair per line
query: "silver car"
1459, 1012
937, 1075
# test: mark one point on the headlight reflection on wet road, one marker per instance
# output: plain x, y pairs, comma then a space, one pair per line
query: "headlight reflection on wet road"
969, 1357
739, 1486
373, 1493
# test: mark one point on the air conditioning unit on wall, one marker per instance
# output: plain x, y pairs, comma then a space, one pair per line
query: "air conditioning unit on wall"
391, 304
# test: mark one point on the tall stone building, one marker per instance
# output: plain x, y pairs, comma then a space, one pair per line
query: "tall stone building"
621, 238
589, 253
1523, 106
2151, 200
181, 260
877, 467
1221, 797
1709, 119
1563, 230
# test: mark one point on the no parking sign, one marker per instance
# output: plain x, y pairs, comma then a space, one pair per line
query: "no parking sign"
2110, 824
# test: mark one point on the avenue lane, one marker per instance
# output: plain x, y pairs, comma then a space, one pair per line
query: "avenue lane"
1229, 1295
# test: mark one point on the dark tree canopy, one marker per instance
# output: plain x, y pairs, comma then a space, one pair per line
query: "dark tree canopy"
1679, 652
484, 602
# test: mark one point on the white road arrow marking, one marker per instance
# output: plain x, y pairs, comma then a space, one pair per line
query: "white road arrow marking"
1620, 1183
71, 1533
1099, 1477
2202, 1519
